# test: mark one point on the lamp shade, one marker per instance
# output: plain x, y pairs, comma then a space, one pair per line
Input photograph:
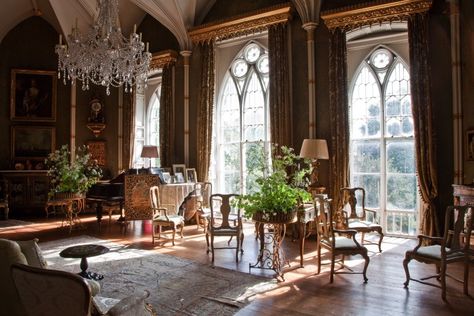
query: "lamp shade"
149, 151
314, 149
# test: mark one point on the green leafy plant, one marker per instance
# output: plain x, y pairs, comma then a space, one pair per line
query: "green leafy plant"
72, 177
280, 189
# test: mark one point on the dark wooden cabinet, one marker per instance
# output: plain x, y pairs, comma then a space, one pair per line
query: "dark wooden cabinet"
28, 192
463, 194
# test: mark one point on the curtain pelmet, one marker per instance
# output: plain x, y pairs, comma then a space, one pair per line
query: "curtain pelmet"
205, 110
422, 108
280, 107
166, 117
338, 108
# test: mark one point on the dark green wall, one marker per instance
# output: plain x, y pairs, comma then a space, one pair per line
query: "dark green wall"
467, 78
29, 45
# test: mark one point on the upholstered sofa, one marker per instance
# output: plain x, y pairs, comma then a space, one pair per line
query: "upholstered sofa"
29, 253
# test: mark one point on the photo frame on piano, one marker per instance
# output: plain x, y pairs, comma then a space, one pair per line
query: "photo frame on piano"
179, 177
166, 177
179, 168
191, 175
159, 172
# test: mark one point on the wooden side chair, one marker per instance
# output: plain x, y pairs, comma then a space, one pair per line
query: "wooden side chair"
454, 246
356, 214
338, 242
203, 191
163, 216
224, 222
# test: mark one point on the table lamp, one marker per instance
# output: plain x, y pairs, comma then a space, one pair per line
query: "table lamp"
149, 151
315, 149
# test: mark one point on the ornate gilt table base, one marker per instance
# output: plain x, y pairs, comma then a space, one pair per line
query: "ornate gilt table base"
271, 255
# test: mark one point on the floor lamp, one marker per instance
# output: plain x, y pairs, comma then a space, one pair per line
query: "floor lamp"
315, 149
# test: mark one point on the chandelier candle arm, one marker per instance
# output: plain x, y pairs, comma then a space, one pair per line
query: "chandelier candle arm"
103, 56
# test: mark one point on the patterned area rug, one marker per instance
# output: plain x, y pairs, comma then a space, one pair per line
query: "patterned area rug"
177, 286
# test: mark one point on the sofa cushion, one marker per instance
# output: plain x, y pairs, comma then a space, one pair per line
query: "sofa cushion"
33, 253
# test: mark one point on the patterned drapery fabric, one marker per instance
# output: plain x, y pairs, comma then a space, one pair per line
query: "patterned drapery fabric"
128, 129
422, 108
166, 117
280, 107
338, 111
205, 110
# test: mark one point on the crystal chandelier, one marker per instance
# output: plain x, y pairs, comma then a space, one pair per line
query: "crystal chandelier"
104, 56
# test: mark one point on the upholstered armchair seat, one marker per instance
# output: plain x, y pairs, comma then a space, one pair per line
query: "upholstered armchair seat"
26, 253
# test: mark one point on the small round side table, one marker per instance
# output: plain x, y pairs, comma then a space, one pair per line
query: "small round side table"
83, 252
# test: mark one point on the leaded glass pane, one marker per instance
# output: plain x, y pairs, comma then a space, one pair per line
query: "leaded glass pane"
371, 184
239, 68
365, 156
365, 106
400, 157
252, 52
263, 65
401, 192
254, 111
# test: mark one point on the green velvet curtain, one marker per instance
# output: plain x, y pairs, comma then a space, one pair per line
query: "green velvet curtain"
166, 117
205, 110
280, 108
422, 108
338, 112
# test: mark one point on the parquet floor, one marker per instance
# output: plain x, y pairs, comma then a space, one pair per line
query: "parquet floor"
303, 292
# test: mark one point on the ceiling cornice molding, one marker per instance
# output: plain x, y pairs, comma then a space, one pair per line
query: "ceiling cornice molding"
242, 25
162, 59
351, 17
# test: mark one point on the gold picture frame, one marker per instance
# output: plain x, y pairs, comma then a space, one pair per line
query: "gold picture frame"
33, 95
32, 142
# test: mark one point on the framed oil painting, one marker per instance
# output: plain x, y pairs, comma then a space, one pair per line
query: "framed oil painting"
470, 145
32, 142
33, 95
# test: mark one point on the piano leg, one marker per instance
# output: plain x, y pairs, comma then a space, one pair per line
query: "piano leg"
98, 210
122, 217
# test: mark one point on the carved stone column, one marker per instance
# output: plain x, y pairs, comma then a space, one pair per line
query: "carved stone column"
309, 28
186, 54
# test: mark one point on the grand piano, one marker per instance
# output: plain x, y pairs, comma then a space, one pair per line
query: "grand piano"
130, 192
107, 193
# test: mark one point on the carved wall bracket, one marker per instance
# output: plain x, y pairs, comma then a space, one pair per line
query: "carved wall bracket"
374, 12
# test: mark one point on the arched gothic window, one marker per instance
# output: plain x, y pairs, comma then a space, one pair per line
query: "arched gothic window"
241, 134
382, 151
153, 124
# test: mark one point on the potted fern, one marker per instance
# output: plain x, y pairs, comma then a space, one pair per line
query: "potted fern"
71, 178
281, 190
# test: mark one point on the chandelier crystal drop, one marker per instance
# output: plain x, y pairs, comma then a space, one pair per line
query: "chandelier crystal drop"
103, 56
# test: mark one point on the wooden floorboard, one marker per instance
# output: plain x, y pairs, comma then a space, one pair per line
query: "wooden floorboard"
303, 292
